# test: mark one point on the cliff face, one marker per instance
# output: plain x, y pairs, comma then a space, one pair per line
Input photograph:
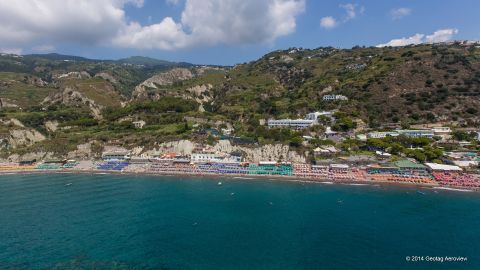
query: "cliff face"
24, 137
270, 152
14, 134
182, 147
161, 79
72, 97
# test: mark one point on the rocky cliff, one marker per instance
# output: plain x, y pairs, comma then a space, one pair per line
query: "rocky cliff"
271, 152
161, 79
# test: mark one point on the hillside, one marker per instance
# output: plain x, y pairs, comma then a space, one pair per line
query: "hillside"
96, 100
384, 85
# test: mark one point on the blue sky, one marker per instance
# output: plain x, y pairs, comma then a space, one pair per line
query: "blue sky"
225, 31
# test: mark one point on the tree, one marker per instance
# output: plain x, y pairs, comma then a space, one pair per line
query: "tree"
461, 135
296, 141
344, 124
396, 148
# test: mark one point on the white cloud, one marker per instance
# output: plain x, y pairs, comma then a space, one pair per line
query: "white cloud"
351, 12
399, 13
441, 35
11, 50
93, 22
165, 35
328, 22
86, 22
415, 39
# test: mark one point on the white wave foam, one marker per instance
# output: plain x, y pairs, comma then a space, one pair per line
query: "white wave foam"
454, 189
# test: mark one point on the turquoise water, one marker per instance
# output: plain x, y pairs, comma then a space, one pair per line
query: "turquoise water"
141, 222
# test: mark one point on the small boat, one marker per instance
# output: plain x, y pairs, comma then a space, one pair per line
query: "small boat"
68, 184
420, 192
233, 193
219, 183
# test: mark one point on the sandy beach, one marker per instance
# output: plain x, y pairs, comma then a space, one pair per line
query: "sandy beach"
241, 177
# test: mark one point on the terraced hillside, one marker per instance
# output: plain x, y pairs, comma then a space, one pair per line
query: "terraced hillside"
73, 100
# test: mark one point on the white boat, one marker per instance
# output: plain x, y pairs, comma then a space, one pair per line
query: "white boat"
219, 183
69, 184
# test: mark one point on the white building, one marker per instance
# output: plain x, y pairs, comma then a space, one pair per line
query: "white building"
227, 131
139, 124
325, 151
443, 167
329, 132
416, 133
116, 155
310, 120
316, 115
411, 133
443, 132
334, 97
205, 157
362, 137
381, 135
293, 123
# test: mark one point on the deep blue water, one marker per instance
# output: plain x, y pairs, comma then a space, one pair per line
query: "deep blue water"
141, 222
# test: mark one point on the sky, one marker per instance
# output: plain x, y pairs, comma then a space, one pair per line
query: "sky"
226, 32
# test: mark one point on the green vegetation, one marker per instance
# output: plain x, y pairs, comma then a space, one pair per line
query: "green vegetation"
164, 105
419, 148
386, 87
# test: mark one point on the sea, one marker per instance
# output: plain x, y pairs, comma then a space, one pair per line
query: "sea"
95, 221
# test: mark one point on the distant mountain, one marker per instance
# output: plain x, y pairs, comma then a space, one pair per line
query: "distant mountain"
147, 61
134, 60
60, 57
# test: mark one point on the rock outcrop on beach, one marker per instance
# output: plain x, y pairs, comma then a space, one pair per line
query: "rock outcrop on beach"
270, 152
182, 147
83, 152
31, 156
14, 134
24, 137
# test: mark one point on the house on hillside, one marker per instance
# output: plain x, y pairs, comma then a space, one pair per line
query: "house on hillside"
443, 132
315, 115
381, 134
116, 155
309, 120
139, 124
292, 123
334, 98
416, 133
325, 151
411, 133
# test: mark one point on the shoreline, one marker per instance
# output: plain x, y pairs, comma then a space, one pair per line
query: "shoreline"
270, 178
